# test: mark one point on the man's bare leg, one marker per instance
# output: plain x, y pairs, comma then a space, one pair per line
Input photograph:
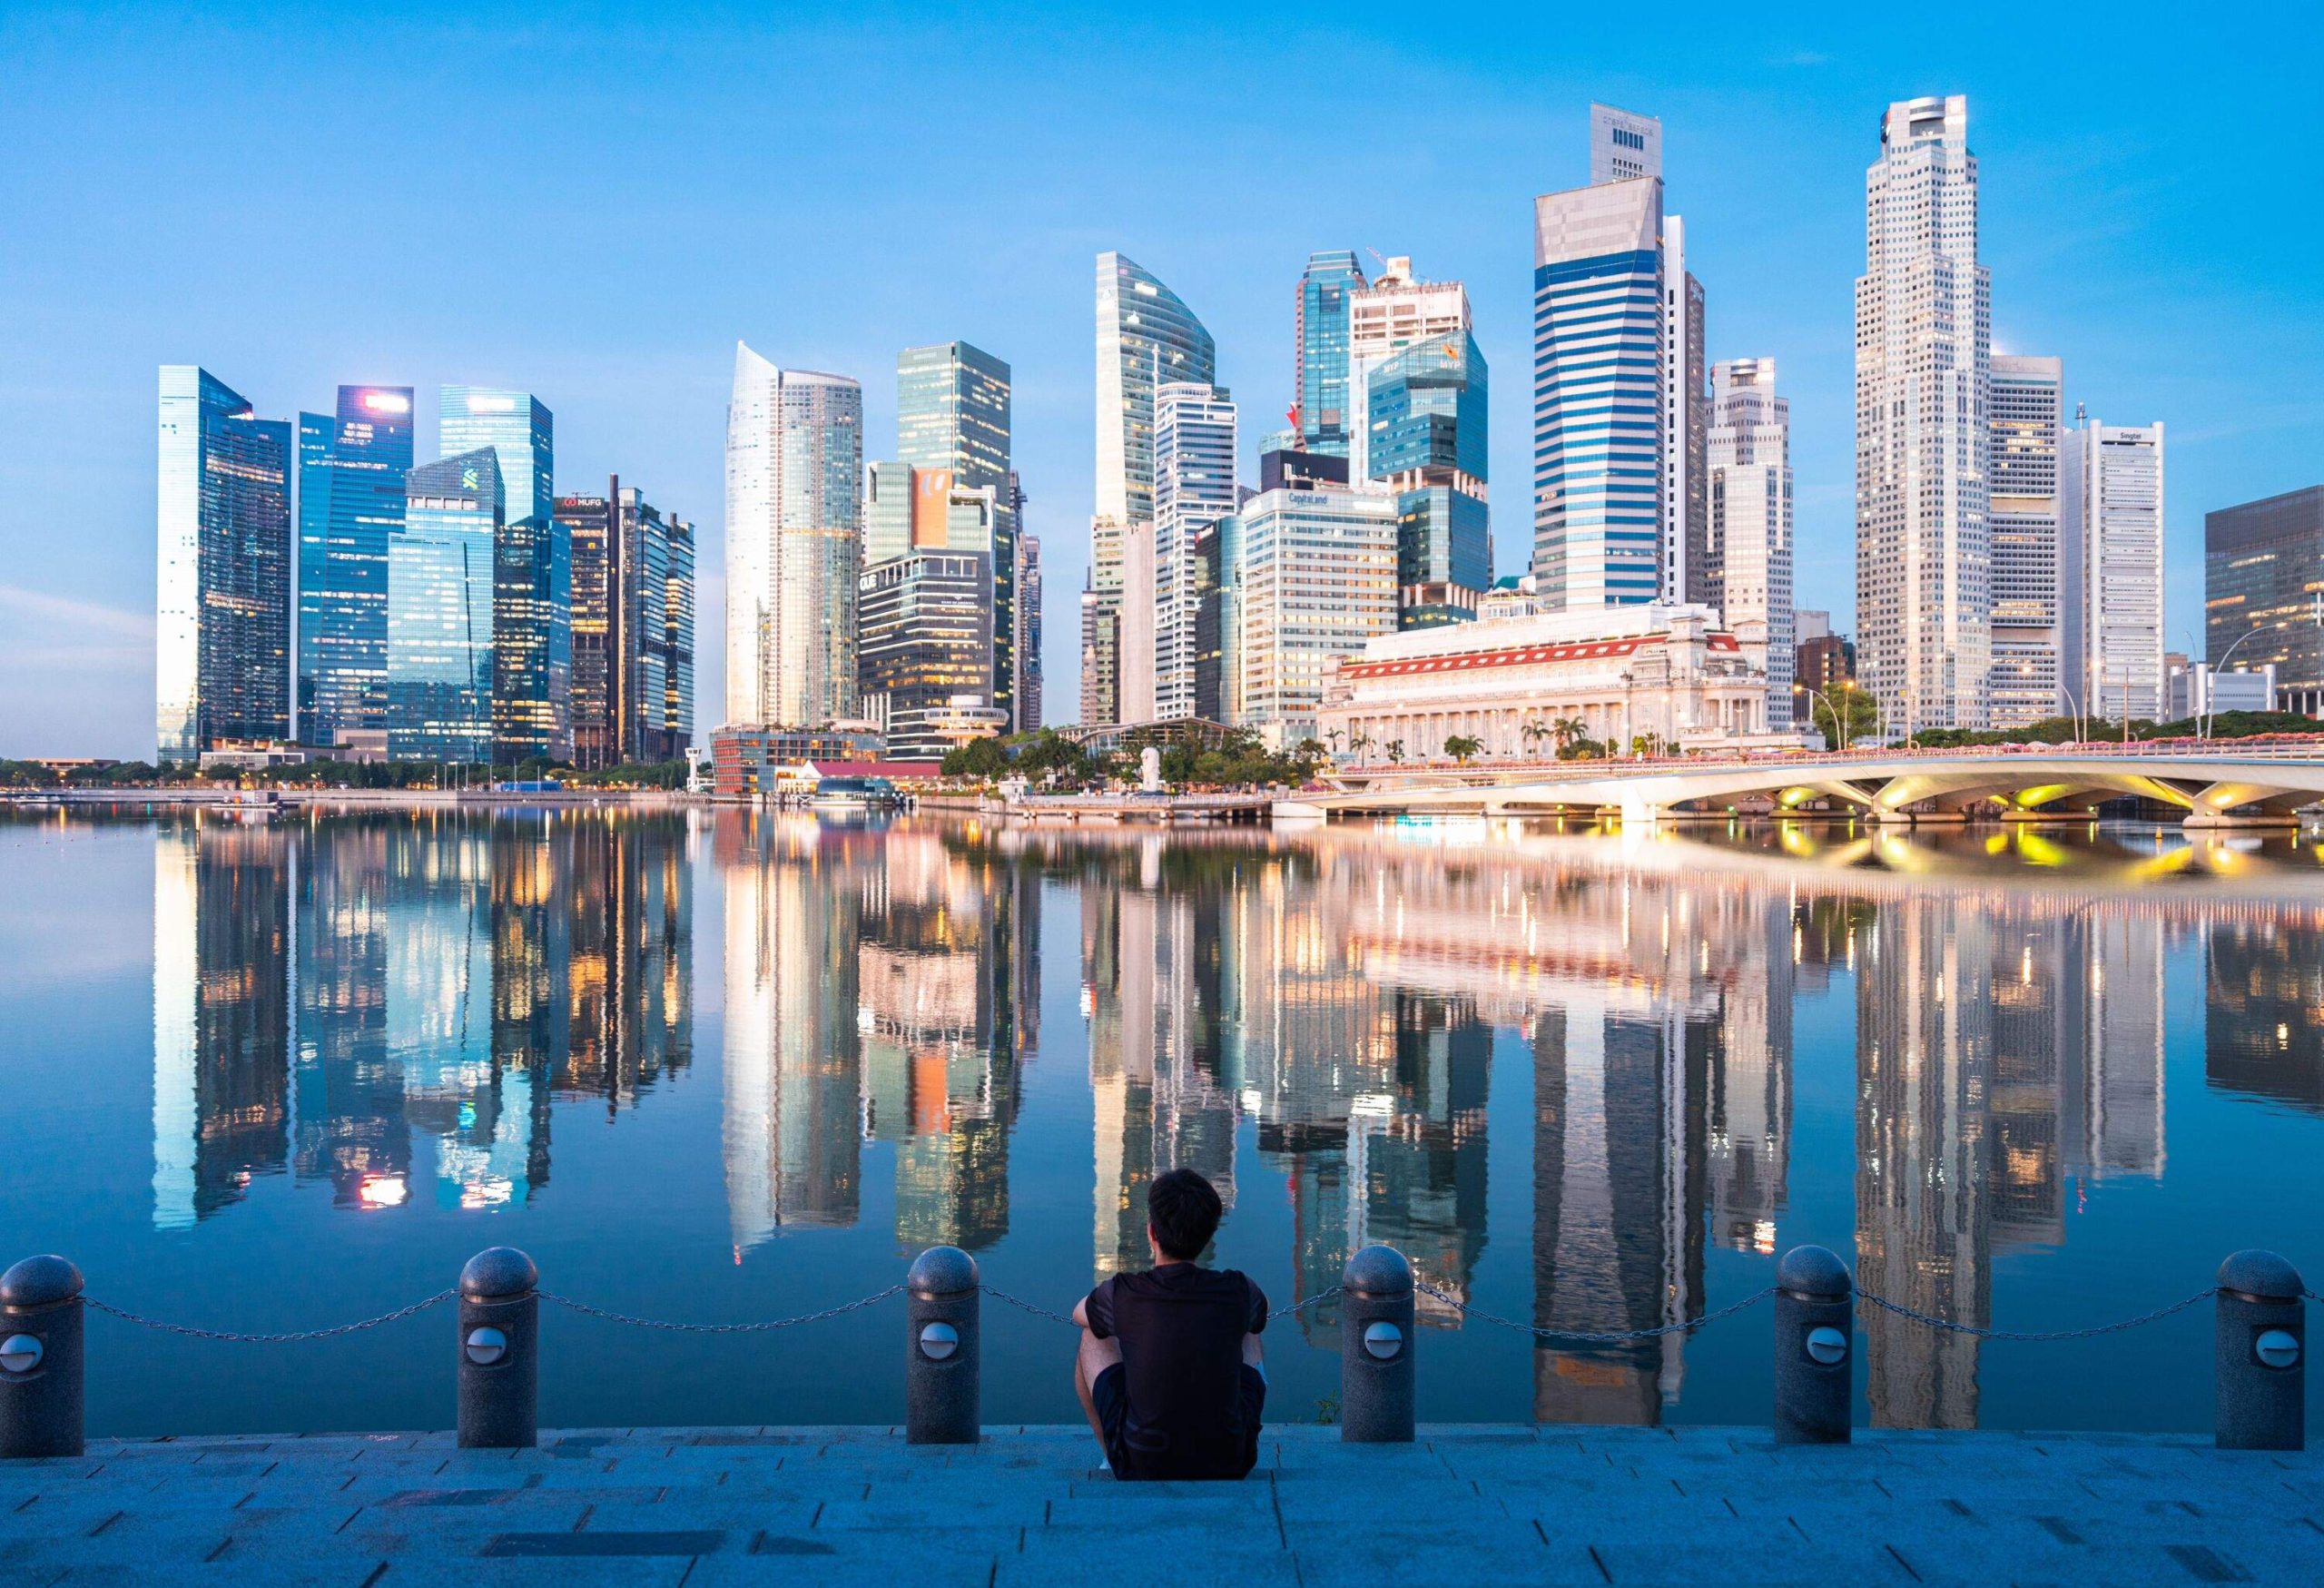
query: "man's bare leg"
1094, 1357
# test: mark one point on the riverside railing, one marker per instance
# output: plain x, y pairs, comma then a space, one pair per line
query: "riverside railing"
2259, 1362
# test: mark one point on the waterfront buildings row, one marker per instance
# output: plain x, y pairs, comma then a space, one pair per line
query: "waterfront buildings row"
456, 610
902, 593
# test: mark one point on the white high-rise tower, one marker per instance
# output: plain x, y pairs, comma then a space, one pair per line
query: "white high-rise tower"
2028, 401
795, 543
2112, 576
1749, 483
1923, 379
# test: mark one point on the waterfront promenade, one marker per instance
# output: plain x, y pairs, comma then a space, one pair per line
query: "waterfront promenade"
1466, 1504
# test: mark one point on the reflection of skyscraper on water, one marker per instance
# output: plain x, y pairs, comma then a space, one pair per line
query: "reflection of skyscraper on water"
947, 929
621, 955
2002, 1048
222, 1017
351, 1129
2263, 989
1748, 1091
792, 1131
1152, 973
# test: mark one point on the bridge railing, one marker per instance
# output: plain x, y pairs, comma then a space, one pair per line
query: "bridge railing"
2297, 747
2258, 1359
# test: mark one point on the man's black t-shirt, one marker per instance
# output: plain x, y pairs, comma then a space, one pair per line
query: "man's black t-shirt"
1191, 1406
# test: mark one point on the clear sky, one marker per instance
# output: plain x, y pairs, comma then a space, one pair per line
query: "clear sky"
595, 207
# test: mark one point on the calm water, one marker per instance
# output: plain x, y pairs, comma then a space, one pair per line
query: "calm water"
722, 1067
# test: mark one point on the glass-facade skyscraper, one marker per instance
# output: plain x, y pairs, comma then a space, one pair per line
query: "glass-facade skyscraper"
521, 432
440, 596
2263, 593
1425, 414
532, 641
952, 412
224, 554
794, 544
352, 465
1322, 417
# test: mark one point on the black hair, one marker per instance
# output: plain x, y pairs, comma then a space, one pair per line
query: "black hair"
1184, 1211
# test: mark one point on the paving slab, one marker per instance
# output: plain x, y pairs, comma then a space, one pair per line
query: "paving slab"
808, 1506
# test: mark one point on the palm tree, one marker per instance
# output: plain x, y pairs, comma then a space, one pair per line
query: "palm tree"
1359, 743
1568, 730
1462, 748
1396, 751
1531, 731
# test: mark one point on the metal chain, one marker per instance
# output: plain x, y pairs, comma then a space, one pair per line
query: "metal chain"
1024, 1305
731, 1328
1595, 1337
400, 1314
1321, 1296
2035, 1335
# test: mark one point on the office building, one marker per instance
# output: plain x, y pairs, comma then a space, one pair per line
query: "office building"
440, 598
521, 433
1825, 661
1195, 483
1424, 410
532, 641
1323, 405
1028, 627
2028, 396
795, 543
1623, 147
1218, 680
1599, 395
352, 465
222, 631
1316, 579
1134, 626
1147, 339
1747, 570
2263, 593
2111, 572
1396, 312
924, 607
632, 628
1923, 312
952, 413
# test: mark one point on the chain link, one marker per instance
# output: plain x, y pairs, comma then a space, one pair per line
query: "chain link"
1022, 1305
1321, 1296
2035, 1335
730, 1329
398, 1316
1594, 1336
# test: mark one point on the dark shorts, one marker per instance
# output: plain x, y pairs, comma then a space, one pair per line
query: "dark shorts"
1231, 1461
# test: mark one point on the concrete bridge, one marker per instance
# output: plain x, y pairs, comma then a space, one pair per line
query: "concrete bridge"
2218, 783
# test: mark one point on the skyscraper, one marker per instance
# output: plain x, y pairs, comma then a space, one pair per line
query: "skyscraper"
2028, 397
1193, 485
2263, 593
440, 600
532, 641
1316, 577
1924, 313
632, 627
350, 500
1324, 409
924, 610
1623, 147
952, 412
223, 632
1425, 411
1600, 443
1397, 311
1747, 569
521, 432
1028, 627
2112, 576
794, 518
1146, 338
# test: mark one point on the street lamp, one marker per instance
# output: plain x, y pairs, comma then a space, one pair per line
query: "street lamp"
2210, 691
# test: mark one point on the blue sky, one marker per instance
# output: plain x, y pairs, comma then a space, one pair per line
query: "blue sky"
595, 207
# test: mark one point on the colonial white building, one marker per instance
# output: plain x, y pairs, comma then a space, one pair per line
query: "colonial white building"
1622, 671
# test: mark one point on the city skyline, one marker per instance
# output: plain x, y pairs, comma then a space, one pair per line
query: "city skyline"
2155, 320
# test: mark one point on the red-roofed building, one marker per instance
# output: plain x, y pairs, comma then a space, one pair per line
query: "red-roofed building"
1623, 672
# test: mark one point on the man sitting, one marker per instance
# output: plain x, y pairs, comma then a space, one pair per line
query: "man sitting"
1169, 1371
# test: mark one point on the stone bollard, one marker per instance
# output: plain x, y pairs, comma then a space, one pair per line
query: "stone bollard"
942, 1349
2262, 1353
40, 1358
1376, 1348
1815, 1337
499, 1346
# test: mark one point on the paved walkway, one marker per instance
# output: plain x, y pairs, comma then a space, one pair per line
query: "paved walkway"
1474, 1505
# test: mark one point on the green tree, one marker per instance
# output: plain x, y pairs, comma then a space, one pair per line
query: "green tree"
982, 758
1396, 752
1463, 748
